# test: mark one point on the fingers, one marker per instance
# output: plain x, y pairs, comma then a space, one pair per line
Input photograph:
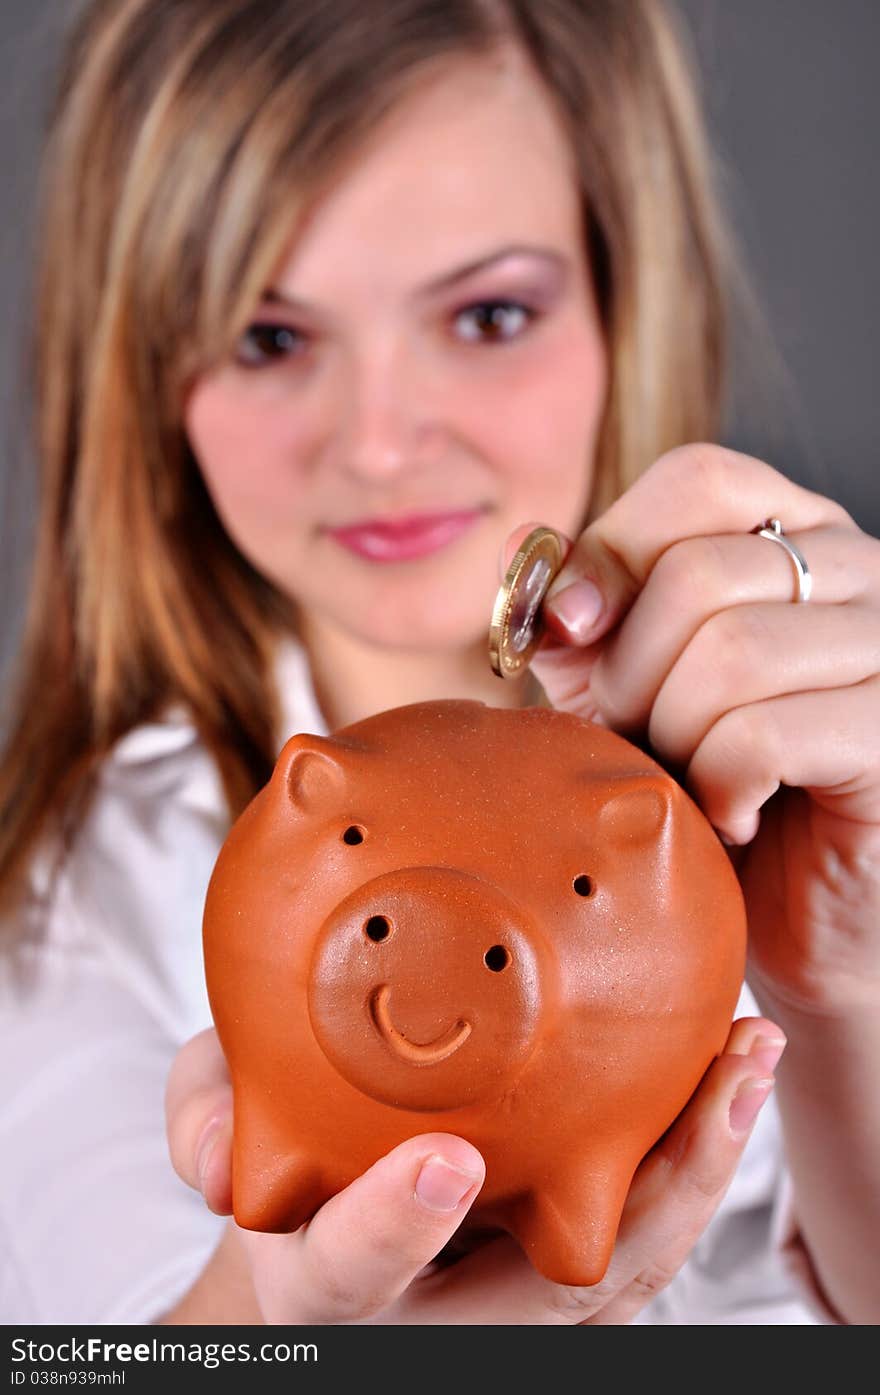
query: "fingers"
198, 1116
754, 653
674, 1194
727, 678
826, 743
696, 582
690, 492
681, 1183
359, 1255
368, 1243
363, 1248
655, 561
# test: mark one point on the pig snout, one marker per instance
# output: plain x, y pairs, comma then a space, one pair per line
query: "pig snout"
425, 988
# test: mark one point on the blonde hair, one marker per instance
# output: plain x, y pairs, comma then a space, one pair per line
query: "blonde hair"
185, 139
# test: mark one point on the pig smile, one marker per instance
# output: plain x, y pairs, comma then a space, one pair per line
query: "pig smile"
416, 1053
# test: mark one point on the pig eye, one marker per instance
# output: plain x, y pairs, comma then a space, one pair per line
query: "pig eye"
496, 958
584, 885
377, 929
353, 835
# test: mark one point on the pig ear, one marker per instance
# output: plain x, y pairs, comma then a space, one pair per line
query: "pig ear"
311, 772
638, 809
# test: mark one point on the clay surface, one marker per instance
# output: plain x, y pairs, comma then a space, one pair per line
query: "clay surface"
508, 925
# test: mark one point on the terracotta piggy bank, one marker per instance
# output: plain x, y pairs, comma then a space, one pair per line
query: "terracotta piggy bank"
508, 925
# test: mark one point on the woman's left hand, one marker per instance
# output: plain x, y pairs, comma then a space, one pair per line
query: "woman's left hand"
767, 711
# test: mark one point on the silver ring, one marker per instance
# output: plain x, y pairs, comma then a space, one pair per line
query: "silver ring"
771, 528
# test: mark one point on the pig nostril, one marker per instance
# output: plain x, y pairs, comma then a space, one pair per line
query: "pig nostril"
583, 885
377, 929
496, 958
353, 835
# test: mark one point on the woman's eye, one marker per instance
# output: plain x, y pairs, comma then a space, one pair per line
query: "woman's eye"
494, 320
266, 343
486, 322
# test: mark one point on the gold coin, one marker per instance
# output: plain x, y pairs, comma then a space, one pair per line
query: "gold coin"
516, 627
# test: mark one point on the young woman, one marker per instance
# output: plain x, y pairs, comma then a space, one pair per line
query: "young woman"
335, 298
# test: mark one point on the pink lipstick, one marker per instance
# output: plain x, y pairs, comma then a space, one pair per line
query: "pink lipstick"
406, 538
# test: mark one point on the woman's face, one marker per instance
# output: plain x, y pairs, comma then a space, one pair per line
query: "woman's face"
425, 373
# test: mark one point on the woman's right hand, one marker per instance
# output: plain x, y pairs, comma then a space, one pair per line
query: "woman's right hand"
366, 1255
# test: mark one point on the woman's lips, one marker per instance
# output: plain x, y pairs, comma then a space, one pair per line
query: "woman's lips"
406, 538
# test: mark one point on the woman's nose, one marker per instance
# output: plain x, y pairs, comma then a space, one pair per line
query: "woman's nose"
388, 416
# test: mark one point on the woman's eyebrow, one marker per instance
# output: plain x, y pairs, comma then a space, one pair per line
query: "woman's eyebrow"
516, 250
275, 296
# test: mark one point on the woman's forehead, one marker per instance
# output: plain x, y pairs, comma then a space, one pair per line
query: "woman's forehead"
471, 162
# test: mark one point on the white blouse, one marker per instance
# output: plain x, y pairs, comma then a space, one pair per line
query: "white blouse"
104, 987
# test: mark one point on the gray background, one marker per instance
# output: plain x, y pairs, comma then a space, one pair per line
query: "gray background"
793, 99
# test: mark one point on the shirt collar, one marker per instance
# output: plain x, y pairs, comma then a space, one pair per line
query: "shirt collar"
169, 746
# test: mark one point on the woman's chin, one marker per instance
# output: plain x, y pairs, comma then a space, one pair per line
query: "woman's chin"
417, 630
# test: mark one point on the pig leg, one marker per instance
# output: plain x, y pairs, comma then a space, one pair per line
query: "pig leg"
568, 1229
276, 1185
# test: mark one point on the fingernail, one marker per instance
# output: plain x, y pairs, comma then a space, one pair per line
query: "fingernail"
766, 1052
442, 1187
746, 1103
577, 608
205, 1147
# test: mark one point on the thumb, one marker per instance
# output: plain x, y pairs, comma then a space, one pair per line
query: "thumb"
198, 1115
571, 613
366, 1244
591, 592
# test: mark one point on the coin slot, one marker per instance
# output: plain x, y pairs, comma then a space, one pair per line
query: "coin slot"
583, 885
496, 958
377, 929
353, 835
